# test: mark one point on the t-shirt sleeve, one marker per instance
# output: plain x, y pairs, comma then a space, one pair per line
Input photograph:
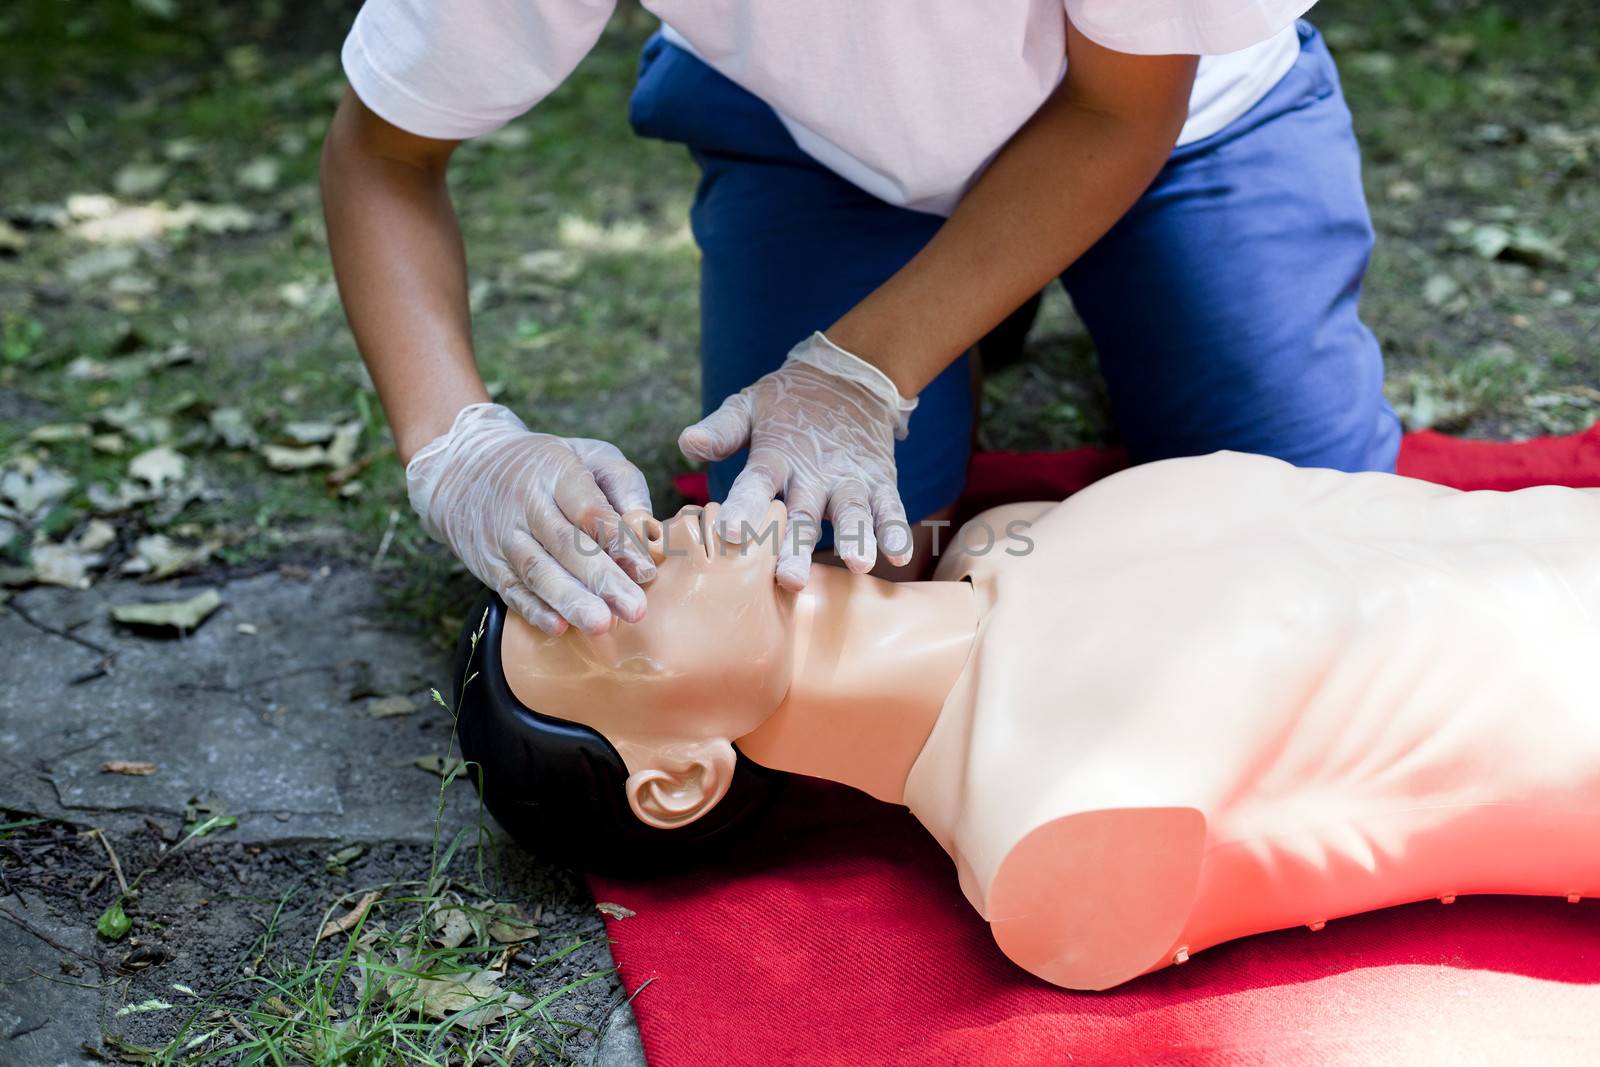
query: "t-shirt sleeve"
1182, 27
459, 68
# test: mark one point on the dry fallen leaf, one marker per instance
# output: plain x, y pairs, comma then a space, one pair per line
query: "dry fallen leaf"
614, 911
233, 427
259, 175
181, 615
390, 706
279, 1007
439, 765
158, 556
141, 768
58, 432
131, 419
96, 536
338, 862
159, 467
68, 564
12, 240
32, 487
307, 432
342, 450
140, 179
507, 925
343, 923
62, 565
282, 458
451, 927
339, 452
473, 999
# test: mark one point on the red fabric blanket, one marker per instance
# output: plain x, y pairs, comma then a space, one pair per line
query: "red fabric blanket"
840, 936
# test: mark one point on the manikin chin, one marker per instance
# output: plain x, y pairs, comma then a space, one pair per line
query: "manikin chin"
1207, 698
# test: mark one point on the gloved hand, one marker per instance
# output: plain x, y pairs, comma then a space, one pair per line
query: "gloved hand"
536, 517
821, 430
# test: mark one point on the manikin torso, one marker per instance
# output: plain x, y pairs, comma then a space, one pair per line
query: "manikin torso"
1211, 697
1225, 696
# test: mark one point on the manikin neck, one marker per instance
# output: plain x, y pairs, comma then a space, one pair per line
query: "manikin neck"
873, 664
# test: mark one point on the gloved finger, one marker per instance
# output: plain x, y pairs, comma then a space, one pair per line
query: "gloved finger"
750, 495
587, 536
528, 605
893, 529
538, 571
625, 489
805, 503
853, 536
721, 433
621, 482
585, 560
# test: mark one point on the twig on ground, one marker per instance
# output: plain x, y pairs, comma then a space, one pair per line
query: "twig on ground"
99, 670
242, 1028
111, 854
384, 542
108, 655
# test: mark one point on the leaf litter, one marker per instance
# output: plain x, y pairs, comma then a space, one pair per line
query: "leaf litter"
138, 768
183, 616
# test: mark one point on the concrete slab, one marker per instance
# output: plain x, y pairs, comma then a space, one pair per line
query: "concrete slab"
273, 724
45, 1014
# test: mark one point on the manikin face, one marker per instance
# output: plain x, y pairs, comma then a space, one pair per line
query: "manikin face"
708, 663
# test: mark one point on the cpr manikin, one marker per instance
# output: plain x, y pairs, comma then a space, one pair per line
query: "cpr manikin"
1201, 699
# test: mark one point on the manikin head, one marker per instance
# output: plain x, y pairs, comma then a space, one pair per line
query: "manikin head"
665, 697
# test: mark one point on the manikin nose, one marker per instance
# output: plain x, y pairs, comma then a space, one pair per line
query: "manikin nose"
646, 529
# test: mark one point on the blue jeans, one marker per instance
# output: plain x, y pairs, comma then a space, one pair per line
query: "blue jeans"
1223, 305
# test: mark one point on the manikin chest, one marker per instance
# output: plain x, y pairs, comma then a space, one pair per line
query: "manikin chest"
1172, 735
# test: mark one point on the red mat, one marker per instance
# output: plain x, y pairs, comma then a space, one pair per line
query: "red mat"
840, 935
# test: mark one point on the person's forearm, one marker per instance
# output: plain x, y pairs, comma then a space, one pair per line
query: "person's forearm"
1056, 187
402, 274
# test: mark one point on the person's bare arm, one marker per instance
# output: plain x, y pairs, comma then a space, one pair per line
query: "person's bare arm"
1056, 187
534, 516
401, 268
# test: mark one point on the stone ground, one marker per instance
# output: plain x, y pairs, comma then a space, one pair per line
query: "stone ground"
272, 727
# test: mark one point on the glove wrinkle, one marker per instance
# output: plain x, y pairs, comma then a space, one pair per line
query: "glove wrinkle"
821, 431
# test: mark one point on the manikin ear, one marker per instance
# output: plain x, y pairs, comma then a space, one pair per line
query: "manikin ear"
681, 783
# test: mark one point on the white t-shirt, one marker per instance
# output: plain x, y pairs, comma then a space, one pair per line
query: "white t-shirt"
907, 100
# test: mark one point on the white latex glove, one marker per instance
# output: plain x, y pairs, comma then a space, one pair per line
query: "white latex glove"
536, 517
821, 430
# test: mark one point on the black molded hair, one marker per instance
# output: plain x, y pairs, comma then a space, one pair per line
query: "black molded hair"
557, 786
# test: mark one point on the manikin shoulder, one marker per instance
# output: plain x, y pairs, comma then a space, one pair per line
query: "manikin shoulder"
986, 532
